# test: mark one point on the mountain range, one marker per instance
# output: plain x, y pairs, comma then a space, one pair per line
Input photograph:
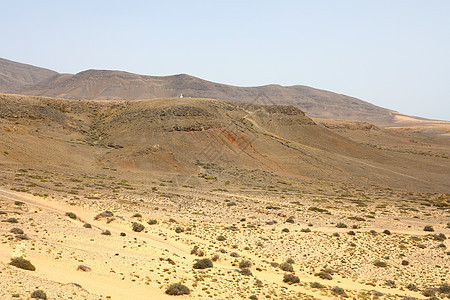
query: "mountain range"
113, 85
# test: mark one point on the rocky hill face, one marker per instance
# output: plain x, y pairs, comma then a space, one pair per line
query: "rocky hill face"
15, 75
188, 136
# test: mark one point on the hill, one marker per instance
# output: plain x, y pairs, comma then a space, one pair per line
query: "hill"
102, 84
174, 135
14, 75
269, 201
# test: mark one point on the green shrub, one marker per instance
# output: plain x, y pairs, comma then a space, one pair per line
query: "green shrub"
245, 263
338, 290
316, 285
341, 225
289, 278
177, 289
152, 222
285, 230
380, 264
105, 214
137, 215
87, 225
179, 229
444, 288
428, 228
290, 220
39, 294
203, 264
245, 272
137, 227
324, 275
12, 220
106, 232
428, 293
290, 261
22, 263
221, 238
71, 215
16, 230
287, 267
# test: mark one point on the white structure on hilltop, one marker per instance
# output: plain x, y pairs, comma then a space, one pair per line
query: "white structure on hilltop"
181, 95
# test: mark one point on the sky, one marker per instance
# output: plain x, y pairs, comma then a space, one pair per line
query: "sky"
395, 53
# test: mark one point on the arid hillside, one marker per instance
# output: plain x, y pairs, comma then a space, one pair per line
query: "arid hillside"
201, 198
113, 85
14, 75
176, 135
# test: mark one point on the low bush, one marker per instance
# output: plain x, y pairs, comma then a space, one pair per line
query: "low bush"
137, 227
221, 238
338, 290
203, 264
152, 222
106, 232
245, 263
22, 263
380, 264
316, 285
245, 272
16, 230
287, 267
324, 275
290, 220
71, 215
289, 278
177, 289
87, 225
428, 228
39, 294
341, 225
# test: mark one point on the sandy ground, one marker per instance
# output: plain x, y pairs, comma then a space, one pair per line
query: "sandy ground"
141, 265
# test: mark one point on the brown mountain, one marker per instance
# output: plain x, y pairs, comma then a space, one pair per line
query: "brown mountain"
193, 136
14, 75
102, 85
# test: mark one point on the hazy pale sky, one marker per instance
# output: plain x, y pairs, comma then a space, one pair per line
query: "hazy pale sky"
392, 53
